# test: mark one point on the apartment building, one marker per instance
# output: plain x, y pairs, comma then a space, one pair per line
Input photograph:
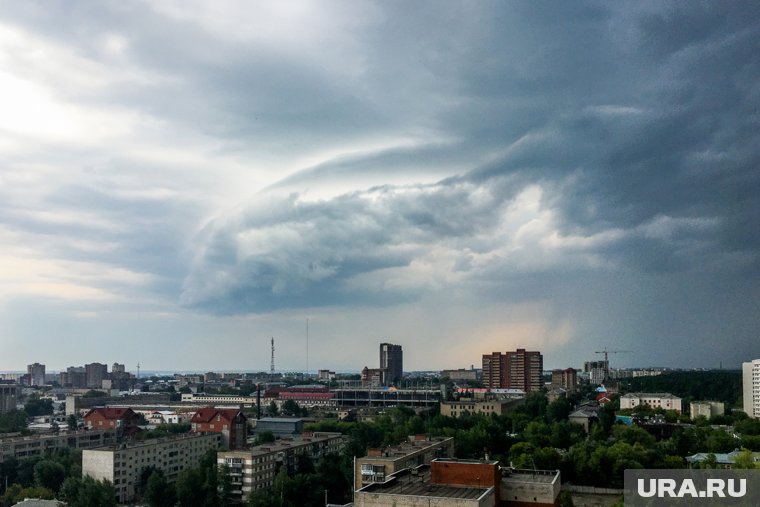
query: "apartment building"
520, 369
42, 444
378, 464
751, 388
255, 468
123, 464
9, 395
666, 401
36, 374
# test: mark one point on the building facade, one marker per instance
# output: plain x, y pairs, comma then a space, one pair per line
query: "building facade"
95, 374
566, 379
520, 369
255, 468
487, 407
36, 373
124, 420
706, 409
43, 444
654, 400
751, 388
228, 422
9, 397
392, 361
123, 464
378, 464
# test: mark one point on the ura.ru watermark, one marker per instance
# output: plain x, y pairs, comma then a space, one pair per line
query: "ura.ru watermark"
675, 488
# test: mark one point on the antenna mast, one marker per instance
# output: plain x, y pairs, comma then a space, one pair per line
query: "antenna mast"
271, 366
138, 370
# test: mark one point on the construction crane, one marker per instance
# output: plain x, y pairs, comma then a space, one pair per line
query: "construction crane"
607, 361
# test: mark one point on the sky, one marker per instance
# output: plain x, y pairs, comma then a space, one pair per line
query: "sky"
181, 181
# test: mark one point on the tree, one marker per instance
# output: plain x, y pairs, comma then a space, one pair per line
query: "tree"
88, 492
189, 486
745, 461
158, 492
272, 410
290, 407
37, 406
13, 421
49, 474
72, 422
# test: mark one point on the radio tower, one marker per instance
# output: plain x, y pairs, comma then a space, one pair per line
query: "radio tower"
271, 366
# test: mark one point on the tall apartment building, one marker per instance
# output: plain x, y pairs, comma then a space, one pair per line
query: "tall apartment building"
392, 361
9, 395
256, 468
596, 370
95, 374
74, 376
378, 464
521, 369
123, 464
751, 388
565, 379
36, 373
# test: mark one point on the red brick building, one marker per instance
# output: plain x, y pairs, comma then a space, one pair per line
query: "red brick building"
230, 422
520, 369
125, 420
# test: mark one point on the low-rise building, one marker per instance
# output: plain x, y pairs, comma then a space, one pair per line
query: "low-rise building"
122, 419
666, 401
722, 459
46, 443
255, 468
219, 399
279, 426
441, 483
229, 422
123, 464
585, 415
463, 483
461, 374
706, 409
378, 464
487, 407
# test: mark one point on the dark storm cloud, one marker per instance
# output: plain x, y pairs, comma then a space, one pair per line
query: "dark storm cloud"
632, 124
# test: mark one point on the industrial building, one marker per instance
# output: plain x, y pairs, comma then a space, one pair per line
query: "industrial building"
463, 483
279, 426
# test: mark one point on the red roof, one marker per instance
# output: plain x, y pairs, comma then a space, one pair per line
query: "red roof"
112, 413
205, 415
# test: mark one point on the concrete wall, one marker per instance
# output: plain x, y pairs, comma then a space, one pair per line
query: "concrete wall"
363, 499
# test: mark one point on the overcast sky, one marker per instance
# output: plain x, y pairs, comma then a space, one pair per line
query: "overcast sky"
181, 181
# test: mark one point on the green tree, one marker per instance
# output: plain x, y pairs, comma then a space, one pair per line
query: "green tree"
38, 406
13, 421
88, 492
49, 474
158, 492
290, 407
72, 422
745, 461
190, 488
273, 411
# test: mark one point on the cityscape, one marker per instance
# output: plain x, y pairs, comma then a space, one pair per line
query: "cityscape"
364, 253
374, 437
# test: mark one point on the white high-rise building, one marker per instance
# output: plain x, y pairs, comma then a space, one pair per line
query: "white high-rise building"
751, 388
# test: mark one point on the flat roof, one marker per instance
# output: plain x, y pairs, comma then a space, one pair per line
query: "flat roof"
534, 476
407, 483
